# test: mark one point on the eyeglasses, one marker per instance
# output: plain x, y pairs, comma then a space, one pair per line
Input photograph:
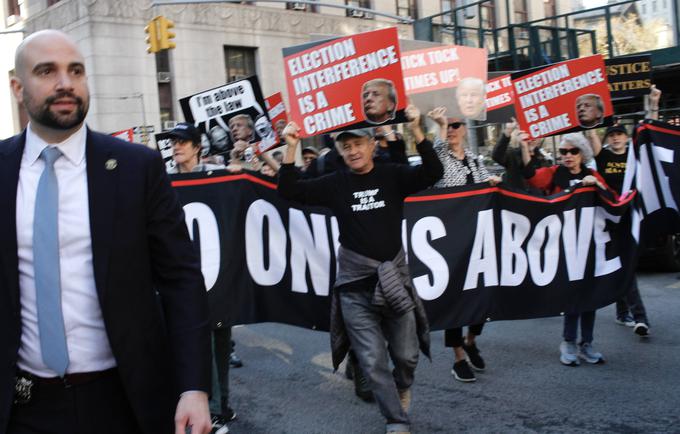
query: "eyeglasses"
572, 151
455, 125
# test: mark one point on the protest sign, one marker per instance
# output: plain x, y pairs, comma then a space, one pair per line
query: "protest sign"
344, 83
630, 75
164, 145
277, 112
500, 98
563, 97
448, 76
127, 135
231, 113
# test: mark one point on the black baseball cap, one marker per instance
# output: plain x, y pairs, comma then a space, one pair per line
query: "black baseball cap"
361, 132
615, 129
185, 131
310, 150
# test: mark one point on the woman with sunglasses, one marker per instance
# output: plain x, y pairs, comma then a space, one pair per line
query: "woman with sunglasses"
575, 152
461, 167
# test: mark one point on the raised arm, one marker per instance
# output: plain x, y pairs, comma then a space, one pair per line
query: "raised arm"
417, 178
654, 98
595, 142
310, 191
439, 116
499, 153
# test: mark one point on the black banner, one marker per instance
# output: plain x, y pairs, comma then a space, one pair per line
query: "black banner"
482, 253
653, 168
476, 253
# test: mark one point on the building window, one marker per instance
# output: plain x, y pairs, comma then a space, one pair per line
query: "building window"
298, 6
52, 2
520, 7
239, 62
359, 4
407, 9
488, 15
13, 8
654, 6
644, 9
549, 8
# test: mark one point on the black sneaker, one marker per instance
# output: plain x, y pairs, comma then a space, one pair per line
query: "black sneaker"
229, 415
217, 422
476, 361
461, 371
641, 329
235, 361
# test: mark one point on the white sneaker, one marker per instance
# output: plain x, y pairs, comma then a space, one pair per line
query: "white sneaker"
589, 355
569, 354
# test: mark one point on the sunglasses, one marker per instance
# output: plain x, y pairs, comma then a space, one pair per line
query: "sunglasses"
572, 151
455, 125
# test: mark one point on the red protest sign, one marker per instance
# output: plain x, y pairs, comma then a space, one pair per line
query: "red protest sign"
127, 135
342, 83
450, 75
563, 97
500, 98
277, 112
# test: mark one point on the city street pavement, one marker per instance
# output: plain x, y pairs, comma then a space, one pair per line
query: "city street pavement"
288, 386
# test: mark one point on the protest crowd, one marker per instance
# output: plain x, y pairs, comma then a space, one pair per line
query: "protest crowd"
361, 173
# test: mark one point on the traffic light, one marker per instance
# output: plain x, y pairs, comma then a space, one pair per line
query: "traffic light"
152, 40
165, 36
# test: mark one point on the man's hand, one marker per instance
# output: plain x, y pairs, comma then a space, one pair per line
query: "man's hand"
438, 115
291, 134
192, 412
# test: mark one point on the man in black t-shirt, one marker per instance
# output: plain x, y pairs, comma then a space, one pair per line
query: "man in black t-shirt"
611, 164
368, 199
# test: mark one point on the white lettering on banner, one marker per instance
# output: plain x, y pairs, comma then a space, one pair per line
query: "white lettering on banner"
576, 247
307, 248
431, 228
542, 255
516, 228
321, 56
483, 256
209, 239
604, 266
260, 214
549, 255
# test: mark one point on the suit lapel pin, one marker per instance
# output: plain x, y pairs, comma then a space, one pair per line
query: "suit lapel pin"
111, 164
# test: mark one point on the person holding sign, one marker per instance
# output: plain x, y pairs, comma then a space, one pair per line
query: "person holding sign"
461, 167
590, 110
187, 149
373, 301
611, 162
379, 101
572, 171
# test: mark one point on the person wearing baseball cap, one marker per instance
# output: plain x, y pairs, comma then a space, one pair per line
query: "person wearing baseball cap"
186, 150
373, 301
309, 154
611, 164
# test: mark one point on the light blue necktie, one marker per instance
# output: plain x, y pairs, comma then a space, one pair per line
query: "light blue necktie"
46, 267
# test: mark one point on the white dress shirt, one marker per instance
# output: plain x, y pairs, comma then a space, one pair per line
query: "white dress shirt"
88, 345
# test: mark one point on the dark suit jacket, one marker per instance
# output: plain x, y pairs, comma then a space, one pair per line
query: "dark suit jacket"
140, 247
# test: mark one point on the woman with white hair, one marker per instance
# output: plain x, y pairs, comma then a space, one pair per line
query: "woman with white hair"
575, 152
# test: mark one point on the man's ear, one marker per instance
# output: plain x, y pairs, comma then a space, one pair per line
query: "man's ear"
17, 89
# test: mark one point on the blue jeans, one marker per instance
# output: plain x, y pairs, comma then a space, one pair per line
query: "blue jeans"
587, 325
369, 327
221, 349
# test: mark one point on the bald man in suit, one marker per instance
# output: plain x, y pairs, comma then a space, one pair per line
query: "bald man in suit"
103, 311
